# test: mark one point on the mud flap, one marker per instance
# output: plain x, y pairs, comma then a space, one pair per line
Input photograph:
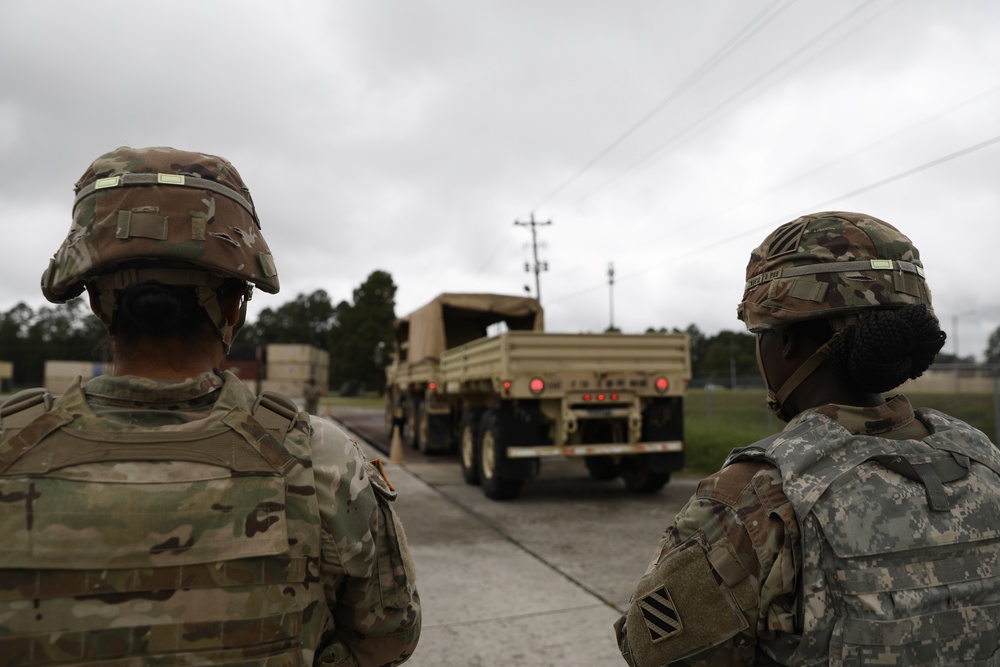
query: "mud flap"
519, 423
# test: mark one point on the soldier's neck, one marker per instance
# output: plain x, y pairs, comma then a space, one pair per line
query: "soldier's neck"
167, 359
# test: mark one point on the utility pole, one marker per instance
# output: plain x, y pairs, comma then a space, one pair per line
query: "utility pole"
539, 266
611, 295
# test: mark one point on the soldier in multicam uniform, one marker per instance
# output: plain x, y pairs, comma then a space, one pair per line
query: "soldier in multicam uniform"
311, 394
165, 514
866, 532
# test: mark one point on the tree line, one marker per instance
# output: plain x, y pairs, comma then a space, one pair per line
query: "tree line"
350, 330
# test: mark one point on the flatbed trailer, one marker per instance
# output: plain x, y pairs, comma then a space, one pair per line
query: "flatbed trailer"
510, 400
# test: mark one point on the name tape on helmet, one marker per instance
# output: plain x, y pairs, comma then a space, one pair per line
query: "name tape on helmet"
839, 267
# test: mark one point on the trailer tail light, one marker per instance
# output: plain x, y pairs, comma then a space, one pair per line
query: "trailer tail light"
614, 397
432, 386
587, 397
600, 397
537, 385
662, 384
506, 387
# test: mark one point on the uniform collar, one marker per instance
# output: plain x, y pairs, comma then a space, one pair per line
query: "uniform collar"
894, 415
130, 389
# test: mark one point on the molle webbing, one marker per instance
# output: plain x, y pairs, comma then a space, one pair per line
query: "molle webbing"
932, 475
44, 446
54, 584
275, 637
920, 574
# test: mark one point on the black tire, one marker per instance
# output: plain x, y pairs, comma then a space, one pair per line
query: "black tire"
491, 449
468, 447
639, 478
411, 434
390, 413
602, 468
422, 428
432, 431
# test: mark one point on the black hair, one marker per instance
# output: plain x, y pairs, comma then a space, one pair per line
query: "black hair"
886, 348
152, 309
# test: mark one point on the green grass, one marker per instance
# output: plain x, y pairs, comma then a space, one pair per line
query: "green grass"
370, 401
716, 422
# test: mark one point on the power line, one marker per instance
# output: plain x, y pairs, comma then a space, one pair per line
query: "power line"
816, 207
713, 116
739, 39
929, 119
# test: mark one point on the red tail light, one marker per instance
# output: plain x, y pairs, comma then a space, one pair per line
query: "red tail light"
662, 384
537, 385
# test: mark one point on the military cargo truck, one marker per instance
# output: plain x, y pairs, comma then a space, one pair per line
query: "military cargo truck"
511, 399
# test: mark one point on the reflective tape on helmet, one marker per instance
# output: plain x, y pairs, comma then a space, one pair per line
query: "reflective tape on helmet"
126, 180
837, 267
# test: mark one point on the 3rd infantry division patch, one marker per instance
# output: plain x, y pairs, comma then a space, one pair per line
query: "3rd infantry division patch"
660, 615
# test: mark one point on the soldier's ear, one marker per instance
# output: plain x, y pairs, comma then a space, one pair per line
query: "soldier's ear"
95, 299
232, 304
788, 342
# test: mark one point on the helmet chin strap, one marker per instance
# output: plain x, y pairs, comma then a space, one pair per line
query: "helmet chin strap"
776, 399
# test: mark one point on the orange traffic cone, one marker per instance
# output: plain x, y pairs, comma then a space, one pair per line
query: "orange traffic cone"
396, 446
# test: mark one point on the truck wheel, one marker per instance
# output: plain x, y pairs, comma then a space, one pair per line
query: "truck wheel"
490, 451
639, 478
602, 468
423, 429
390, 413
412, 432
394, 413
469, 449
432, 431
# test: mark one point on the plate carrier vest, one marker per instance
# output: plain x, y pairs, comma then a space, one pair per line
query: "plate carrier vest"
900, 558
159, 561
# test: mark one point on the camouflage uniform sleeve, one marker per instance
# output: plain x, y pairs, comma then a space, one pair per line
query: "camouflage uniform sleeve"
721, 585
366, 571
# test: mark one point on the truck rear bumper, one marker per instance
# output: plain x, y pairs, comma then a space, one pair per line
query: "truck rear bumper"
611, 449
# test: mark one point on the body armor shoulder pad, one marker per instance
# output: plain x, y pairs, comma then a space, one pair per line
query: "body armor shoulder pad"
755, 452
276, 412
23, 408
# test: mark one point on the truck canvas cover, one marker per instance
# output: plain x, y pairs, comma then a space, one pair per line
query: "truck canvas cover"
453, 319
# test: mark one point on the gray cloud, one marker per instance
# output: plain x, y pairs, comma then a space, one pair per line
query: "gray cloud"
408, 137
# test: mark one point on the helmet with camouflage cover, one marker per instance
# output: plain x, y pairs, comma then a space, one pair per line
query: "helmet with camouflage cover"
164, 215
830, 265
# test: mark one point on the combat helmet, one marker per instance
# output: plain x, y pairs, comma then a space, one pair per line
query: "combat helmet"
160, 214
835, 265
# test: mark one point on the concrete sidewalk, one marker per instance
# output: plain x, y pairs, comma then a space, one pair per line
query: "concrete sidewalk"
487, 601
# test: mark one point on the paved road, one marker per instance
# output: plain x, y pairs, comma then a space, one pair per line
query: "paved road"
537, 581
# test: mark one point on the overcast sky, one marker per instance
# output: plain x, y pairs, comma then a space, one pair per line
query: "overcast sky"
666, 137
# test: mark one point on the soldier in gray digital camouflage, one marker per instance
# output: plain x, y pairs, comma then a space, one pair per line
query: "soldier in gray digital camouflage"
164, 514
866, 532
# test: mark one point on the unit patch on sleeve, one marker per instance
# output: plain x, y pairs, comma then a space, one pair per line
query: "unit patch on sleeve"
660, 614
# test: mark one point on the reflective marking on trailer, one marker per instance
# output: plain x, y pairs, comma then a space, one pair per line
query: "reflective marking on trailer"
594, 450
